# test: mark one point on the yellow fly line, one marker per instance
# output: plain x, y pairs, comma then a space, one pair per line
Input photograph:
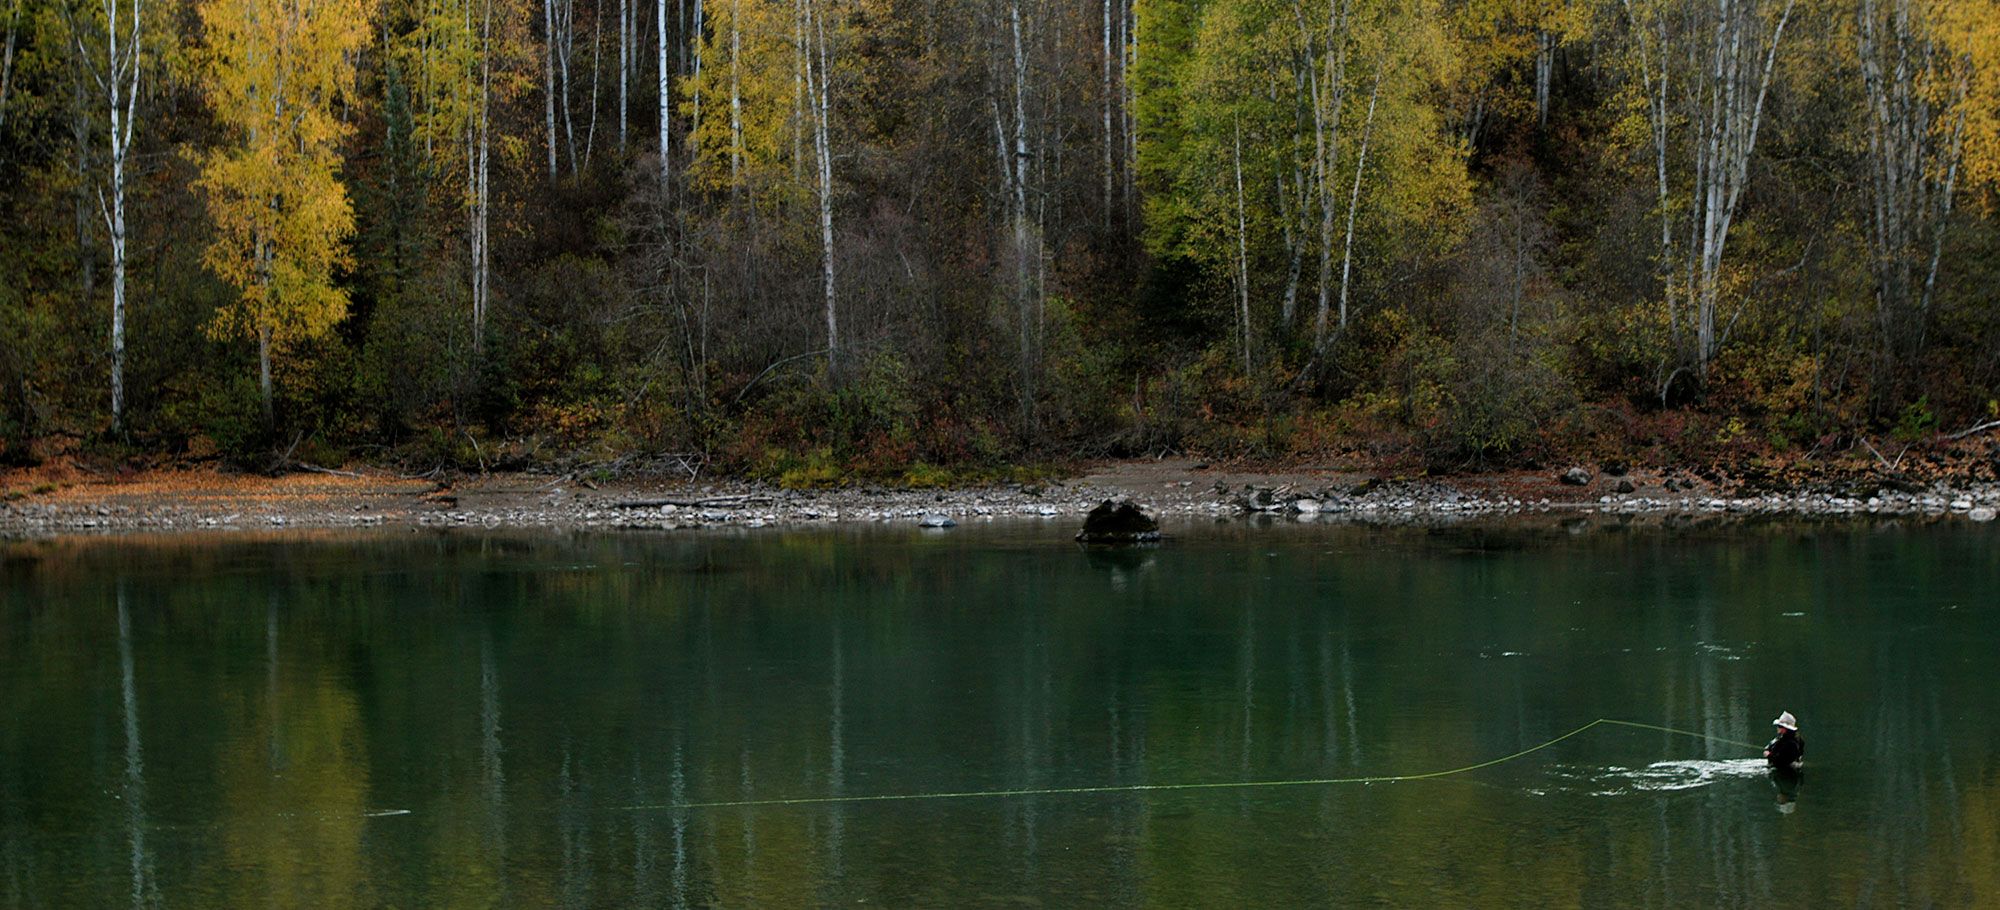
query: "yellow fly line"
1151, 788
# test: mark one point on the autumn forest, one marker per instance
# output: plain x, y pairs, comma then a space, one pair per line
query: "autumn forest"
814, 240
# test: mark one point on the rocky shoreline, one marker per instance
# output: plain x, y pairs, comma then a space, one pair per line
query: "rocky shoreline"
1167, 491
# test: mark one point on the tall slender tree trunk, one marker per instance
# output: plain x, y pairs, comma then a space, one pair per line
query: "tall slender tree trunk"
565, 51
549, 81
1129, 61
735, 92
115, 220
818, 75
264, 375
1738, 111
1354, 200
1291, 205
116, 79
1545, 65
7, 58
1913, 161
1328, 101
596, 71
1107, 113
481, 208
667, 97
1323, 181
1242, 257
1027, 252
1725, 54
625, 29
695, 38
801, 68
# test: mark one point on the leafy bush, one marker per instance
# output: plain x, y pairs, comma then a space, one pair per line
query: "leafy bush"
1916, 422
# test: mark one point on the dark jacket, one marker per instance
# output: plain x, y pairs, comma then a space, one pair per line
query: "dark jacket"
1787, 751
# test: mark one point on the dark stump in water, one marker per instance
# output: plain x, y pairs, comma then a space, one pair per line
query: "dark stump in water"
1118, 522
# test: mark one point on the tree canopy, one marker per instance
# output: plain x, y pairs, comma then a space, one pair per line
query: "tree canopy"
811, 238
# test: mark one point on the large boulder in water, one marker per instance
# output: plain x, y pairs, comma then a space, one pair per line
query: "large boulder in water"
1118, 522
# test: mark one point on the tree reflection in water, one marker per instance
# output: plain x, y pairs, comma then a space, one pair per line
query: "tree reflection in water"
513, 691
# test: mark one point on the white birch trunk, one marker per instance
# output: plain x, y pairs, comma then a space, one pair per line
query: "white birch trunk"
1242, 256
565, 50
1328, 101
819, 92
1723, 57
1736, 131
118, 80
625, 18
1323, 182
801, 102
695, 38
666, 99
7, 58
1545, 65
596, 71
1127, 62
1107, 113
1354, 199
1292, 204
475, 237
1027, 254
481, 209
736, 91
549, 81
1913, 175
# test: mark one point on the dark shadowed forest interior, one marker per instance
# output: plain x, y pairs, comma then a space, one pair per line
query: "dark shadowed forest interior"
816, 240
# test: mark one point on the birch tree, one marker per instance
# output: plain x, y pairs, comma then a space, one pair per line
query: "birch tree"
1915, 90
1106, 100
7, 57
110, 52
1339, 123
275, 73
1706, 70
819, 98
460, 42
667, 97
772, 74
1242, 255
626, 18
549, 33
1011, 133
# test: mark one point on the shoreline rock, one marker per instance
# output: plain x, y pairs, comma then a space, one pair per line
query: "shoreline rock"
1118, 522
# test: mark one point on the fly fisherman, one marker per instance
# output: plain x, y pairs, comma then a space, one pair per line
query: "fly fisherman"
1787, 751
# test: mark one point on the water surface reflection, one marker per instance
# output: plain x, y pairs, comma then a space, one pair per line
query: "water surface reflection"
418, 720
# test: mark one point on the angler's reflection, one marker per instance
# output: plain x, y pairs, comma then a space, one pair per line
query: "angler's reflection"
1786, 782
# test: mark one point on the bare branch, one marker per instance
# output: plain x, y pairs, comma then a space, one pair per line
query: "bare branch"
1975, 430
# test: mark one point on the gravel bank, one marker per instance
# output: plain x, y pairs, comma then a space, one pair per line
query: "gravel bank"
1169, 490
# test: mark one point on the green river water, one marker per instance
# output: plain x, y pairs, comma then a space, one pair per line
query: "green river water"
400, 719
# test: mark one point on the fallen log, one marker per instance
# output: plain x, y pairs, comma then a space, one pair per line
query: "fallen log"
708, 503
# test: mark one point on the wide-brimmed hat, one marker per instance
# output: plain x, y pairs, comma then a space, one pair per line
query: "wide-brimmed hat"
1786, 720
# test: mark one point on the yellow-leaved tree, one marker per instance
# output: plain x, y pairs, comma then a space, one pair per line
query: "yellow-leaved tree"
1972, 32
273, 72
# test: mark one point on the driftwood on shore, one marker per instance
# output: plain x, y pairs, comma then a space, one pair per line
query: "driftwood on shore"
747, 499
